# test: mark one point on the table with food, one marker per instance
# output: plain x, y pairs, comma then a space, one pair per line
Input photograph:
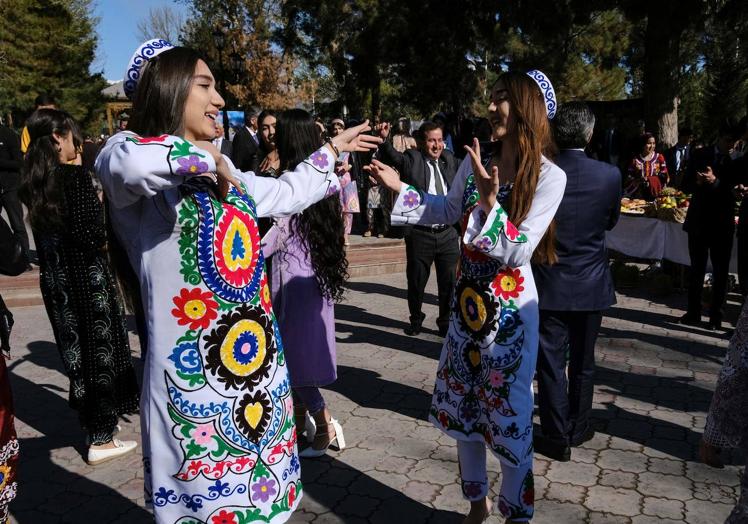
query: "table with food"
654, 230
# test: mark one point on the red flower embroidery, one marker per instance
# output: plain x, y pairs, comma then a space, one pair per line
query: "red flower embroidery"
224, 517
194, 307
265, 297
151, 139
510, 231
291, 495
508, 283
443, 419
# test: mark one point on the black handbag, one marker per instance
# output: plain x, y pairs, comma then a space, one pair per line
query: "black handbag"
12, 260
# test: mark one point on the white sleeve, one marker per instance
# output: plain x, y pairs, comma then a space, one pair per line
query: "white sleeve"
498, 238
414, 206
132, 167
292, 192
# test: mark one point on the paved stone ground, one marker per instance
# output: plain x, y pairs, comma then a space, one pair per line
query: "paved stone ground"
654, 383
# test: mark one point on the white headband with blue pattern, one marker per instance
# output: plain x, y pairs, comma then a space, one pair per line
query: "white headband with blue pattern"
145, 52
549, 94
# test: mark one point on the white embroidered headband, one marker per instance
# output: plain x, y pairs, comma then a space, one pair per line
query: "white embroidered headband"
549, 95
145, 52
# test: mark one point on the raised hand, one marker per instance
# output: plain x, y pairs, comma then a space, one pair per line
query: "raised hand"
488, 185
383, 130
384, 174
352, 140
224, 176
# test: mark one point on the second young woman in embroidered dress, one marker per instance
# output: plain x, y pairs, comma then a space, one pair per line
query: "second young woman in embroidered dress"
483, 392
219, 441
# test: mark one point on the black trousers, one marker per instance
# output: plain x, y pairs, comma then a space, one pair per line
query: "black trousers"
717, 246
565, 405
422, 248
9, 200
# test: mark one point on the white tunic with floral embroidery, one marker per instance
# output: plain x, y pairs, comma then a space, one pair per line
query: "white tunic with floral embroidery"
483, 389
219, 441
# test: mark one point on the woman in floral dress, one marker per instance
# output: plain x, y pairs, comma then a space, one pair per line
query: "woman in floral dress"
219, 440
647, 173
483, 391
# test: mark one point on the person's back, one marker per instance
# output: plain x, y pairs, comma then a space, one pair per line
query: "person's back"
581, 279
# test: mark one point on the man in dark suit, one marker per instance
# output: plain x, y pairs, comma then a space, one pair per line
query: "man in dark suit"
432, 169
710, 224
246, 143
677, 157
221, 143
11, 161
573, 292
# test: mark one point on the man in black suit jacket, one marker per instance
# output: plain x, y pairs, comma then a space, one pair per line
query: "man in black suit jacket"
11, 161
246, 143
432, 169
223, 145
710, 224
573, 292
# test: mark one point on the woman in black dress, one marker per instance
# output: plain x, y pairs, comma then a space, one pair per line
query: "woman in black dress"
79, 293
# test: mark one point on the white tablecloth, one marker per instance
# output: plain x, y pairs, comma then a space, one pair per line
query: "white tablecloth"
655, 239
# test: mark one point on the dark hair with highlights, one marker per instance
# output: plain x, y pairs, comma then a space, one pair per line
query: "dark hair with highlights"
40, 189
320, 226
162, 91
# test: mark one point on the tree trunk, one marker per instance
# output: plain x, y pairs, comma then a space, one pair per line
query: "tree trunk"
665, 25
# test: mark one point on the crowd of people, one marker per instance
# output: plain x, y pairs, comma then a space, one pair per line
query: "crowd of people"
231, 254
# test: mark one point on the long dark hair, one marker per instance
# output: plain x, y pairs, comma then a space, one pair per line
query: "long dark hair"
534, 139
40, 189
321, 225
162, 91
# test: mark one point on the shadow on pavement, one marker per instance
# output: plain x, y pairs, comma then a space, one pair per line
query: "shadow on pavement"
355, 497
48, 492
711, 352
389, 291
368, 389
380, 338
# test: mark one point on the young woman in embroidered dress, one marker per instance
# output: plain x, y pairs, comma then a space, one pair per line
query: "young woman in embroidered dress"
219, 436
507, 200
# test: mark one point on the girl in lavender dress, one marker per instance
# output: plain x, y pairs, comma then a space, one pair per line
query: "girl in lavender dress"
309, 269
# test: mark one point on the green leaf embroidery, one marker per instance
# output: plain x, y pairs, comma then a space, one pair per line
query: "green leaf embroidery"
182, 149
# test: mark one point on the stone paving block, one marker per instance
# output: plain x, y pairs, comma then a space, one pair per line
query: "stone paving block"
565, 493
356, 506
585, 455
552, 512
665, 486
663, 508
705, 512
617, 479
670, 467
576, 473
618, 501
620, 460
423, 492
645, 519
715, 493
699, 472
607, 518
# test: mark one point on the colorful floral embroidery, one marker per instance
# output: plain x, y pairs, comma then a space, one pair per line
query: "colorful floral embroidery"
191, 165
195, 308
476, 309
484, 244
241, 348
411, 198
148, 140
319, 159
263, 489
508, 283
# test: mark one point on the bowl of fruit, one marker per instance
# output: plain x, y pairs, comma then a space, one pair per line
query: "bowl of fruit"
672, 205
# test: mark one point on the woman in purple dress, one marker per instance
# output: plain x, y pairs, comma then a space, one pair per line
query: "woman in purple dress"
308, 271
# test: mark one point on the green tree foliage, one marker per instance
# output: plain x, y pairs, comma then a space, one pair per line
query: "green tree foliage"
49, 46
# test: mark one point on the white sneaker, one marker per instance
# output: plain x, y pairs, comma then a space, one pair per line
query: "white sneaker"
99, 455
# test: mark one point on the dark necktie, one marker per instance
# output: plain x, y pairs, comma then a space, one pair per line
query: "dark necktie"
437, 178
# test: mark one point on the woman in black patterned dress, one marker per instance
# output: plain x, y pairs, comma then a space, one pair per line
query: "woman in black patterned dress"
82, 303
